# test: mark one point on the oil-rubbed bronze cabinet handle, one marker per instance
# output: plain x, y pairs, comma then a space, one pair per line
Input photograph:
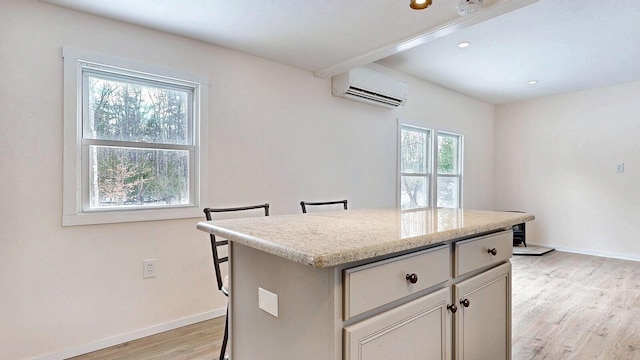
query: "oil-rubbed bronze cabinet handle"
453, 308
465, 302
412, 278
493, 251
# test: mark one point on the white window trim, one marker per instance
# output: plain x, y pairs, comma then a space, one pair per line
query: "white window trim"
72, 212
433, 163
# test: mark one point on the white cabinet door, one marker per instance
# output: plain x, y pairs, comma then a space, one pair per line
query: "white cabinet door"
418, 330
483, 320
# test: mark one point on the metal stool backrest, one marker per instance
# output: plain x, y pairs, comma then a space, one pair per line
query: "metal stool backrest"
215, 243
304, 204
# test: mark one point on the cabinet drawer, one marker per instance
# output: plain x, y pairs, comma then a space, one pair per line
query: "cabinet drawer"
477, 253
369, 286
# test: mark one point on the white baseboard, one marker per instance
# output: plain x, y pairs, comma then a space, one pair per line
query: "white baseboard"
591, 252
130, 336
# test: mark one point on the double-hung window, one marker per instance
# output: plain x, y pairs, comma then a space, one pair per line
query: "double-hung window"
449, 170
430, 170
133, 140
415, 167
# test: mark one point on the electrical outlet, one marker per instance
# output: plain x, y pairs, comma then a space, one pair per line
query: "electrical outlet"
149, 268
620, 167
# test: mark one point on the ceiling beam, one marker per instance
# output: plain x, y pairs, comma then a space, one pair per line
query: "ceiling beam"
427, 36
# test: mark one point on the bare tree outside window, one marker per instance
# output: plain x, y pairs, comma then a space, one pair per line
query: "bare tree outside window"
414, 165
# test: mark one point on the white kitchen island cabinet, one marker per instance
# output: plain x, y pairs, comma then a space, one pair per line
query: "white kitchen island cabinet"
370, 284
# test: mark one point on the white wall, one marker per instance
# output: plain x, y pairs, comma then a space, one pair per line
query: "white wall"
556, 158
276, 135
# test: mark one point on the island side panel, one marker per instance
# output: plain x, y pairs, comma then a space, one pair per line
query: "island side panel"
309, 309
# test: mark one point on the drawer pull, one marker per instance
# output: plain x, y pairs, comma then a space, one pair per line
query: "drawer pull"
412, 278
465, 302
453, 308
493, 251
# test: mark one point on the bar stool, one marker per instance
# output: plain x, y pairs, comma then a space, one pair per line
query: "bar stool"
304, 204
223, 283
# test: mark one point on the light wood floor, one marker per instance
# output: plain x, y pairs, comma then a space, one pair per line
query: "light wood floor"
570, 306
199, 341
565, 306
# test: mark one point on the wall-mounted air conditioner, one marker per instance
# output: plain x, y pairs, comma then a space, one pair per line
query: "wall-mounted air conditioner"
371, 87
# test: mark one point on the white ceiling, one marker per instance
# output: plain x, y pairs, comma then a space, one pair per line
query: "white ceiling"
566, 45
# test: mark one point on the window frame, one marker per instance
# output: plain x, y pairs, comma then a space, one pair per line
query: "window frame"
427, 175
432, 171
76, 180
459, 160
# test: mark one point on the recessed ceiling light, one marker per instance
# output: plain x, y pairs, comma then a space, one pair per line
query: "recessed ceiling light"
464, 44
420, 4
533, 82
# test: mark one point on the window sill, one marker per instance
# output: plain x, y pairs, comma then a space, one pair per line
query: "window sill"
130, 216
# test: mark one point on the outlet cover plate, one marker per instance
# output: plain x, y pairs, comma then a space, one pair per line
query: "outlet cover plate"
149, 268
268, 301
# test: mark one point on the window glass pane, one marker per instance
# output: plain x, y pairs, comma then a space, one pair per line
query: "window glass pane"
132, 111
448, 154
413, 192
137, 177
448, 192
414, 151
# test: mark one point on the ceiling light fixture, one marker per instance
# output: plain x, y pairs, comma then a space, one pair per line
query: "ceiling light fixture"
533, 82
468, 7
464, 44
420, 4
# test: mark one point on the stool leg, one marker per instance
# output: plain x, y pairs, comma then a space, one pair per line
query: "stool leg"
223, 349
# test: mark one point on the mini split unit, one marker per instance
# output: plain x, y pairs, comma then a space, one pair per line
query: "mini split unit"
370, 87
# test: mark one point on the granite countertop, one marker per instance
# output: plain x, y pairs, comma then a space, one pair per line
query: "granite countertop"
333, 238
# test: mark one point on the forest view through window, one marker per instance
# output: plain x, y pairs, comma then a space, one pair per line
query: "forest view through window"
138, 138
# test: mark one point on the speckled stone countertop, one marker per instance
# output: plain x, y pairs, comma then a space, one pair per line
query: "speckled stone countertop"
333, 238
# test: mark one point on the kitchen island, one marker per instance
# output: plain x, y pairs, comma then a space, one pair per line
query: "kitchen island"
370, 284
